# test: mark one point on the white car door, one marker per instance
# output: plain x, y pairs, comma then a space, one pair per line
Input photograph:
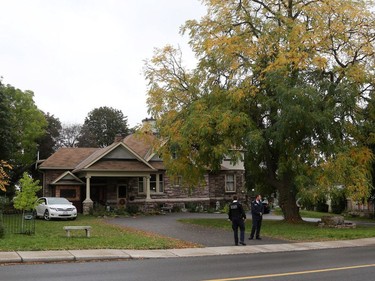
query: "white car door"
41, 207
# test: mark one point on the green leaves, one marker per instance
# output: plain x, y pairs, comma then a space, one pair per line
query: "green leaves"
26, 197
288, 80
101, 126
25, 124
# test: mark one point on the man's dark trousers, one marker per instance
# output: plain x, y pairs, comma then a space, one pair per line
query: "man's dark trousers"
257, 223
238, 223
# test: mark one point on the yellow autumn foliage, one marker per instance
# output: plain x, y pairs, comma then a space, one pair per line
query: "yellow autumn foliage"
350, 169
4, 177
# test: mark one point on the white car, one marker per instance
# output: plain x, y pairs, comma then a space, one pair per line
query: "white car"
55, 207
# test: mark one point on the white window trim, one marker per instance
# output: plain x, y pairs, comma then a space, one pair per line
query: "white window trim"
177, 181
144, 186
158, 185
234, 183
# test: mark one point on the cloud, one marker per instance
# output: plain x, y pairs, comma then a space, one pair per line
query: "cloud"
77, 55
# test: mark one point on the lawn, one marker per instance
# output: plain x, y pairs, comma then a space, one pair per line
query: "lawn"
306, 231
49, 235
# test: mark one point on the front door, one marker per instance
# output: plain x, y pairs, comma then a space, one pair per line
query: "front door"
122, 195
98, 195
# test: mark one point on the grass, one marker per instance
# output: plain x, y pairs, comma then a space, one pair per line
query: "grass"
318, 215
49, 235
307, 231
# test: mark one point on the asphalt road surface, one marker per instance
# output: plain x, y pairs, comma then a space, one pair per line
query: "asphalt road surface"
349, 264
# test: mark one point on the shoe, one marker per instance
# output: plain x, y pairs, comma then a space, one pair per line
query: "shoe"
250, 238
242, 243
258, 238
235, 244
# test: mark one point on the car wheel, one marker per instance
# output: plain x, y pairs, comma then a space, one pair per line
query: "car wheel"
46, 215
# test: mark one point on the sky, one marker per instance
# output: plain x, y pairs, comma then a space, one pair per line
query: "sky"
78, 55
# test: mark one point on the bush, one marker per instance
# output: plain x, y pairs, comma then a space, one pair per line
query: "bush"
306, 200
99, 211
121, 211
191, 207
225, 209
5, 203
132, 209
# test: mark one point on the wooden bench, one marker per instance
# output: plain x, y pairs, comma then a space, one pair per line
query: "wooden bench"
77, 227
167, 207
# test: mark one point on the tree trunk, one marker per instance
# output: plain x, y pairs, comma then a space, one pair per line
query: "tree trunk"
287, 201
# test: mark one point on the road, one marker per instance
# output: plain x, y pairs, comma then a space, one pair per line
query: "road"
349, 264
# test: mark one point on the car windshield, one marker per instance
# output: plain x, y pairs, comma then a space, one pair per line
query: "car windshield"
58, 200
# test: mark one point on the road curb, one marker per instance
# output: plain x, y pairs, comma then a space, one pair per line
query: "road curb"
119, 254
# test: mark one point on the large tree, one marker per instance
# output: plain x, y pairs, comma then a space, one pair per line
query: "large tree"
69, 135
6, 142
285, 79
48, 143
27, 126
101, 126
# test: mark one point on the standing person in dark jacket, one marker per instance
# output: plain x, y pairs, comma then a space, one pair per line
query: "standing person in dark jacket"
237, 216
257, 215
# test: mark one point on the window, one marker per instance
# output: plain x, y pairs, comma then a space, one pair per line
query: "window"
156, 184
177, 181
161, 183
141, 188
122, 191
71, 193
230, 185
153, 183
68, 193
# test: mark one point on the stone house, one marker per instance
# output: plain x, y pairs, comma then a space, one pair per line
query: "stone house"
127, 173
361, 209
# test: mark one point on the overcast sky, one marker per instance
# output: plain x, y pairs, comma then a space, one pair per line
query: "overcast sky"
77, 55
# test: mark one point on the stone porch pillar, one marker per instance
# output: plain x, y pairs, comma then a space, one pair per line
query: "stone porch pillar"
88, 204
148, 189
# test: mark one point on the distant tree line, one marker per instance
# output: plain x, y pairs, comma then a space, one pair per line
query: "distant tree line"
28, 134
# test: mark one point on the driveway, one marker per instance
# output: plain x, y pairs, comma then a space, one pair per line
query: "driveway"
168, 225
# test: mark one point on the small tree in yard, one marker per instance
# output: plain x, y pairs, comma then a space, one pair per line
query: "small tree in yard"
25, 199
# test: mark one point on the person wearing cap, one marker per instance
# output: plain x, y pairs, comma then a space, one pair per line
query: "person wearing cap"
237, 216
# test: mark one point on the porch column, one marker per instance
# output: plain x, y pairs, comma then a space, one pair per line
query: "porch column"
88, 204
148, 189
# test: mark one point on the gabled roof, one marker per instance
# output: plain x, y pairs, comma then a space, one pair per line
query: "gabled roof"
139, 145
67, 178
109, 157
67, 158
131, 154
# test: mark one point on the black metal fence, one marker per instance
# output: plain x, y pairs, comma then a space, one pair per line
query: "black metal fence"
18, 222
